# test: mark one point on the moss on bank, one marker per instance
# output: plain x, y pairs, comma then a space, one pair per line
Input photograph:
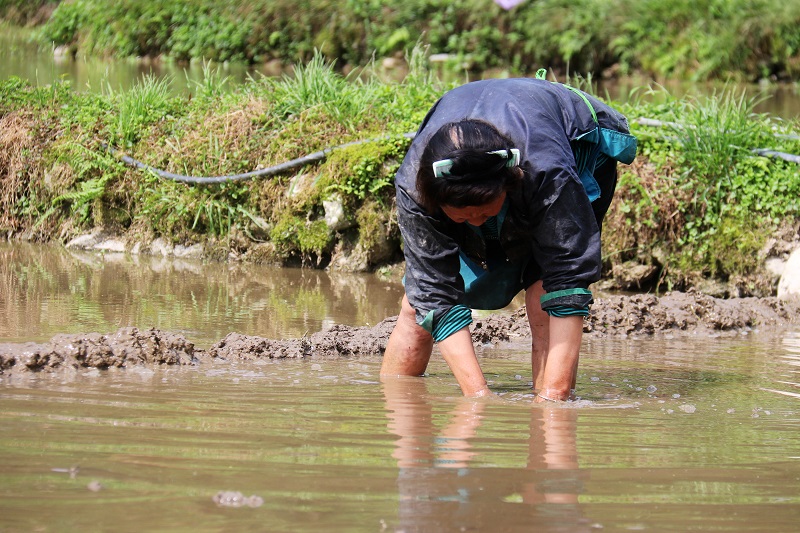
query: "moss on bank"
696, 204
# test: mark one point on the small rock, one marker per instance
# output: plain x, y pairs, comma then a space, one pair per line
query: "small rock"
335, 216
300, 184
110, 245
87, 241
194, 251
229, 498
161, 247
789, 284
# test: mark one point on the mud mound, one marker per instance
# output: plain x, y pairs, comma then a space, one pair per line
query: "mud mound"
645, 314
690, 312
615, 316
126, 347
337, 341
238, 347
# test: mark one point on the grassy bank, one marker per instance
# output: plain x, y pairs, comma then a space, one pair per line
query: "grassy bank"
703, 39
696, 204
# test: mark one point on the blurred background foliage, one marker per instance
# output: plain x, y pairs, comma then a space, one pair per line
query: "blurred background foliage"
697, 39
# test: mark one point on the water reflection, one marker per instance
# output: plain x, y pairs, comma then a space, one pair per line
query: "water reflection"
21, 56
789, 376
47, 290
336, 447
443, 485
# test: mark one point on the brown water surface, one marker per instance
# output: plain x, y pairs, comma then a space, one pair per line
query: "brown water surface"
45, 290
689, 434
669, 436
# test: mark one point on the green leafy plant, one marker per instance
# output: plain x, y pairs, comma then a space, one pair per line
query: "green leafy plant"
94, 171
213, 84
702, 39
176, 209
296, 234
143, 104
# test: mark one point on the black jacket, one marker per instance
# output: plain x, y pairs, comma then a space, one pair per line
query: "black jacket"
549, 219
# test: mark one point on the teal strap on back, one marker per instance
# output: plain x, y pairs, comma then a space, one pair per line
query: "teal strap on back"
541, 74
583, 97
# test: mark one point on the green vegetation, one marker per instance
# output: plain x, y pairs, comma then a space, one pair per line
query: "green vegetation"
701, 39
697, 202
61, 179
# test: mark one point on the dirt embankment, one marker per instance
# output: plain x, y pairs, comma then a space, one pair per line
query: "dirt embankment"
615, 316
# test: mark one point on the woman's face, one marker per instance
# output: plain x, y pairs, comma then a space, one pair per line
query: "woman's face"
475, 215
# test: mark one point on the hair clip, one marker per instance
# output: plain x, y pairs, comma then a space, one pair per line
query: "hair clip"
513, 160
442, 168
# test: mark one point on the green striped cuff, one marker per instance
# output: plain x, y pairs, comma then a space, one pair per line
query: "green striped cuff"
566, 292
564, 311
458, 317
567, 302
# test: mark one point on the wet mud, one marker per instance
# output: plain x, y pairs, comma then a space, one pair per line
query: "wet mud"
613, 316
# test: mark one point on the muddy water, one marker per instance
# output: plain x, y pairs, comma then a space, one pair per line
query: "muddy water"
21, 56
692, 433
48, 290
678, 435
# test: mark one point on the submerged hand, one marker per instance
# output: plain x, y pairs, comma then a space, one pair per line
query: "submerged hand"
479, 393
551, 395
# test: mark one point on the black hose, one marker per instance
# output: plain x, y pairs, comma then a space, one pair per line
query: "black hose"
321, 155
764, 152
269, 171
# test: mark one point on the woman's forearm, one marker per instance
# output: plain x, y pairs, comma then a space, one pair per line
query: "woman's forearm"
459, 353
562, 358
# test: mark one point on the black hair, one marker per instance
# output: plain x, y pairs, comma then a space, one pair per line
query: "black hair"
477, 177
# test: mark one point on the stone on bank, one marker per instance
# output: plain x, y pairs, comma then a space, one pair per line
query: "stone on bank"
789, 284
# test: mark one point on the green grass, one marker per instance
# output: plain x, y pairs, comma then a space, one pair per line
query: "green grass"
138, 107
712, 203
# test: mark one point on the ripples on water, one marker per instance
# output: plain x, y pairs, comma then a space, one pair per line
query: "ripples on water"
670, 435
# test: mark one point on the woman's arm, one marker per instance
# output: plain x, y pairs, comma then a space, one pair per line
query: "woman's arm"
562, 358
459, 353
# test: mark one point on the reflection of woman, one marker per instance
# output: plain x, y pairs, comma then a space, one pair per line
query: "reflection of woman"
441, 490
504, 189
